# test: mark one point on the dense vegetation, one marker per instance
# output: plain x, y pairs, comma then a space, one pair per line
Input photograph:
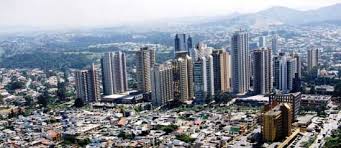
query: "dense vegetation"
334, 141
185, 138
14, 85
46, 60
167, 128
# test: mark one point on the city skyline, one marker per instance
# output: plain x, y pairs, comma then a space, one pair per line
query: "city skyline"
170, 78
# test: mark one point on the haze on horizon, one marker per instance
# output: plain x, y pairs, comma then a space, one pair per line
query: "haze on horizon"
90, 13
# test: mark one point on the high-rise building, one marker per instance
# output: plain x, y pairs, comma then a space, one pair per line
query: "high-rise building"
274, 44
200, 79
313, 58
222, 71
203, 79
144, 62
162, 84
189, 43
202, 50
182, 43
262, 83
291, 70
114, 73
298, 64
296, 84
277, 123
210, 76
262, 42
285, 68
183, 77
240, 62
87, 85
280, 72
294, 99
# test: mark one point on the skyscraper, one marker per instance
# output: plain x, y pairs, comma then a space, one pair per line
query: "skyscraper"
282, 74
277, 123
200, 79
183, 77
162, 84
182, 43
189, 43
313, 58
203, 50
144, 62
203, 73
262, 83
87, 85
114, 73
299, 64
291, 70
222, 71
285, 68
262, 42
240, 62
274, 44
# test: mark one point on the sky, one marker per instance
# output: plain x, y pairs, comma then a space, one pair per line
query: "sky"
83, 13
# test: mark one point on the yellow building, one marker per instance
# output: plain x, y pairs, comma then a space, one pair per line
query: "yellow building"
277, 123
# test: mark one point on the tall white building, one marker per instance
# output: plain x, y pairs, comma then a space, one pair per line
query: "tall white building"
203, 73
284, 71
87, 85
200, 79
274, 44
313, 58
240, 62
262, 42
162, 84
298, 64
114, 73
262, 66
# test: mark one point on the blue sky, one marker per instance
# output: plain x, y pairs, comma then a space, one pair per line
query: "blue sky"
74, 13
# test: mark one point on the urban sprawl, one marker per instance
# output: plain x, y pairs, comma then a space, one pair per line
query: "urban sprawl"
255, 93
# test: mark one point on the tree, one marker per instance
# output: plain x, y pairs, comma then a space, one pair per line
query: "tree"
61, 92
65, 74
167, 128
334, 141
125, 135
223, 97
185, 138
79, 103
337, 89
28, 100
312, 90
1, 99
15, 85
44, 99
11, 114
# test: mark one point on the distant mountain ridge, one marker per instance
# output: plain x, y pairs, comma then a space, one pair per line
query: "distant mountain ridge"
283, 15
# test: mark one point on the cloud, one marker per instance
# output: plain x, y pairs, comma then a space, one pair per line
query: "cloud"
73, 13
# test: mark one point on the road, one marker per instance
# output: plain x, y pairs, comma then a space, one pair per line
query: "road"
330, 124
